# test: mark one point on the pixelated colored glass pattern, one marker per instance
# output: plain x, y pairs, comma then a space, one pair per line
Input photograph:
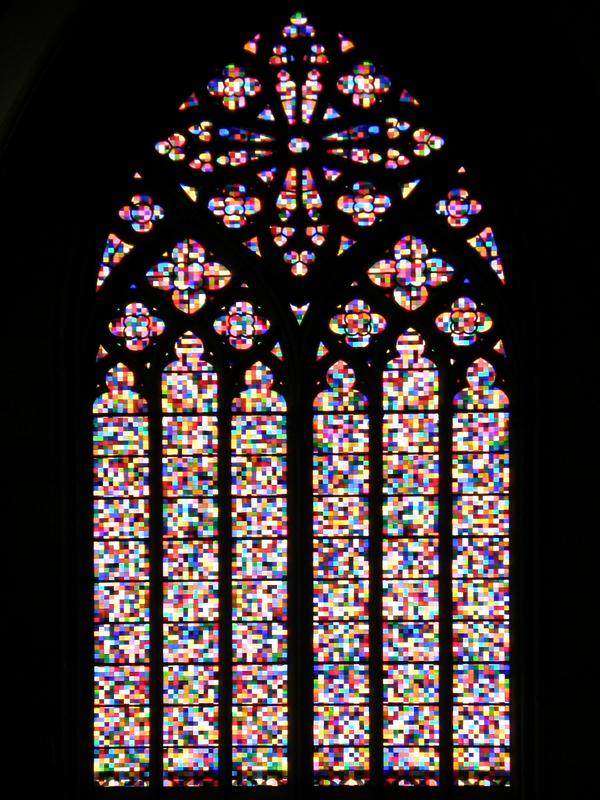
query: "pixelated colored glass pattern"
115, 251
363, 204
190, 567
298, 27
480, 580
458, 208
235, 206
485, 244
298, 144
189, 275
292, 195
173, 147
364, 84
259, 582
286, 89
234, 87
121, 736
410, 568
340, 581
137, 326
199, 159
410, 272
396, 127
311, 89
292, 72
241, 325
357, 323
142, 213
465, 322
365, 149
426, 142
423, 141
302, 200
299, 262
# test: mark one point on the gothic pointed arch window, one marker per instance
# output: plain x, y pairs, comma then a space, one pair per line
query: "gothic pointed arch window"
301, 458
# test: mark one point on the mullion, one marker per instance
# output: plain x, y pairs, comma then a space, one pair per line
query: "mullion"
225, 601
156, 588
445, 578
376, 588
300, 585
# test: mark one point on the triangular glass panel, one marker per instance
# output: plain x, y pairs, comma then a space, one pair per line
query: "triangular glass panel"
485, 244
345, 44
407, 188
267, 114
499, 347
331, 174
321, 351
406, 97
191, 192
252, 45
268, 175
345, 244
331, 113
114, 251
191, 102
252, 244
276, 351
102, 353
299, 312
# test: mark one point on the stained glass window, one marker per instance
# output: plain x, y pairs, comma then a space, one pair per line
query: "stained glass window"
301, 443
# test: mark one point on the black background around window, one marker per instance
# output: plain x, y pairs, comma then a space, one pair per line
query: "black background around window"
90, 86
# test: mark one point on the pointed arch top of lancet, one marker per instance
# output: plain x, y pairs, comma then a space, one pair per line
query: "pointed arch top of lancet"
259, 396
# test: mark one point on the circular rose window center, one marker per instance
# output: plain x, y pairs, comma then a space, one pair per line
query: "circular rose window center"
299, 145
